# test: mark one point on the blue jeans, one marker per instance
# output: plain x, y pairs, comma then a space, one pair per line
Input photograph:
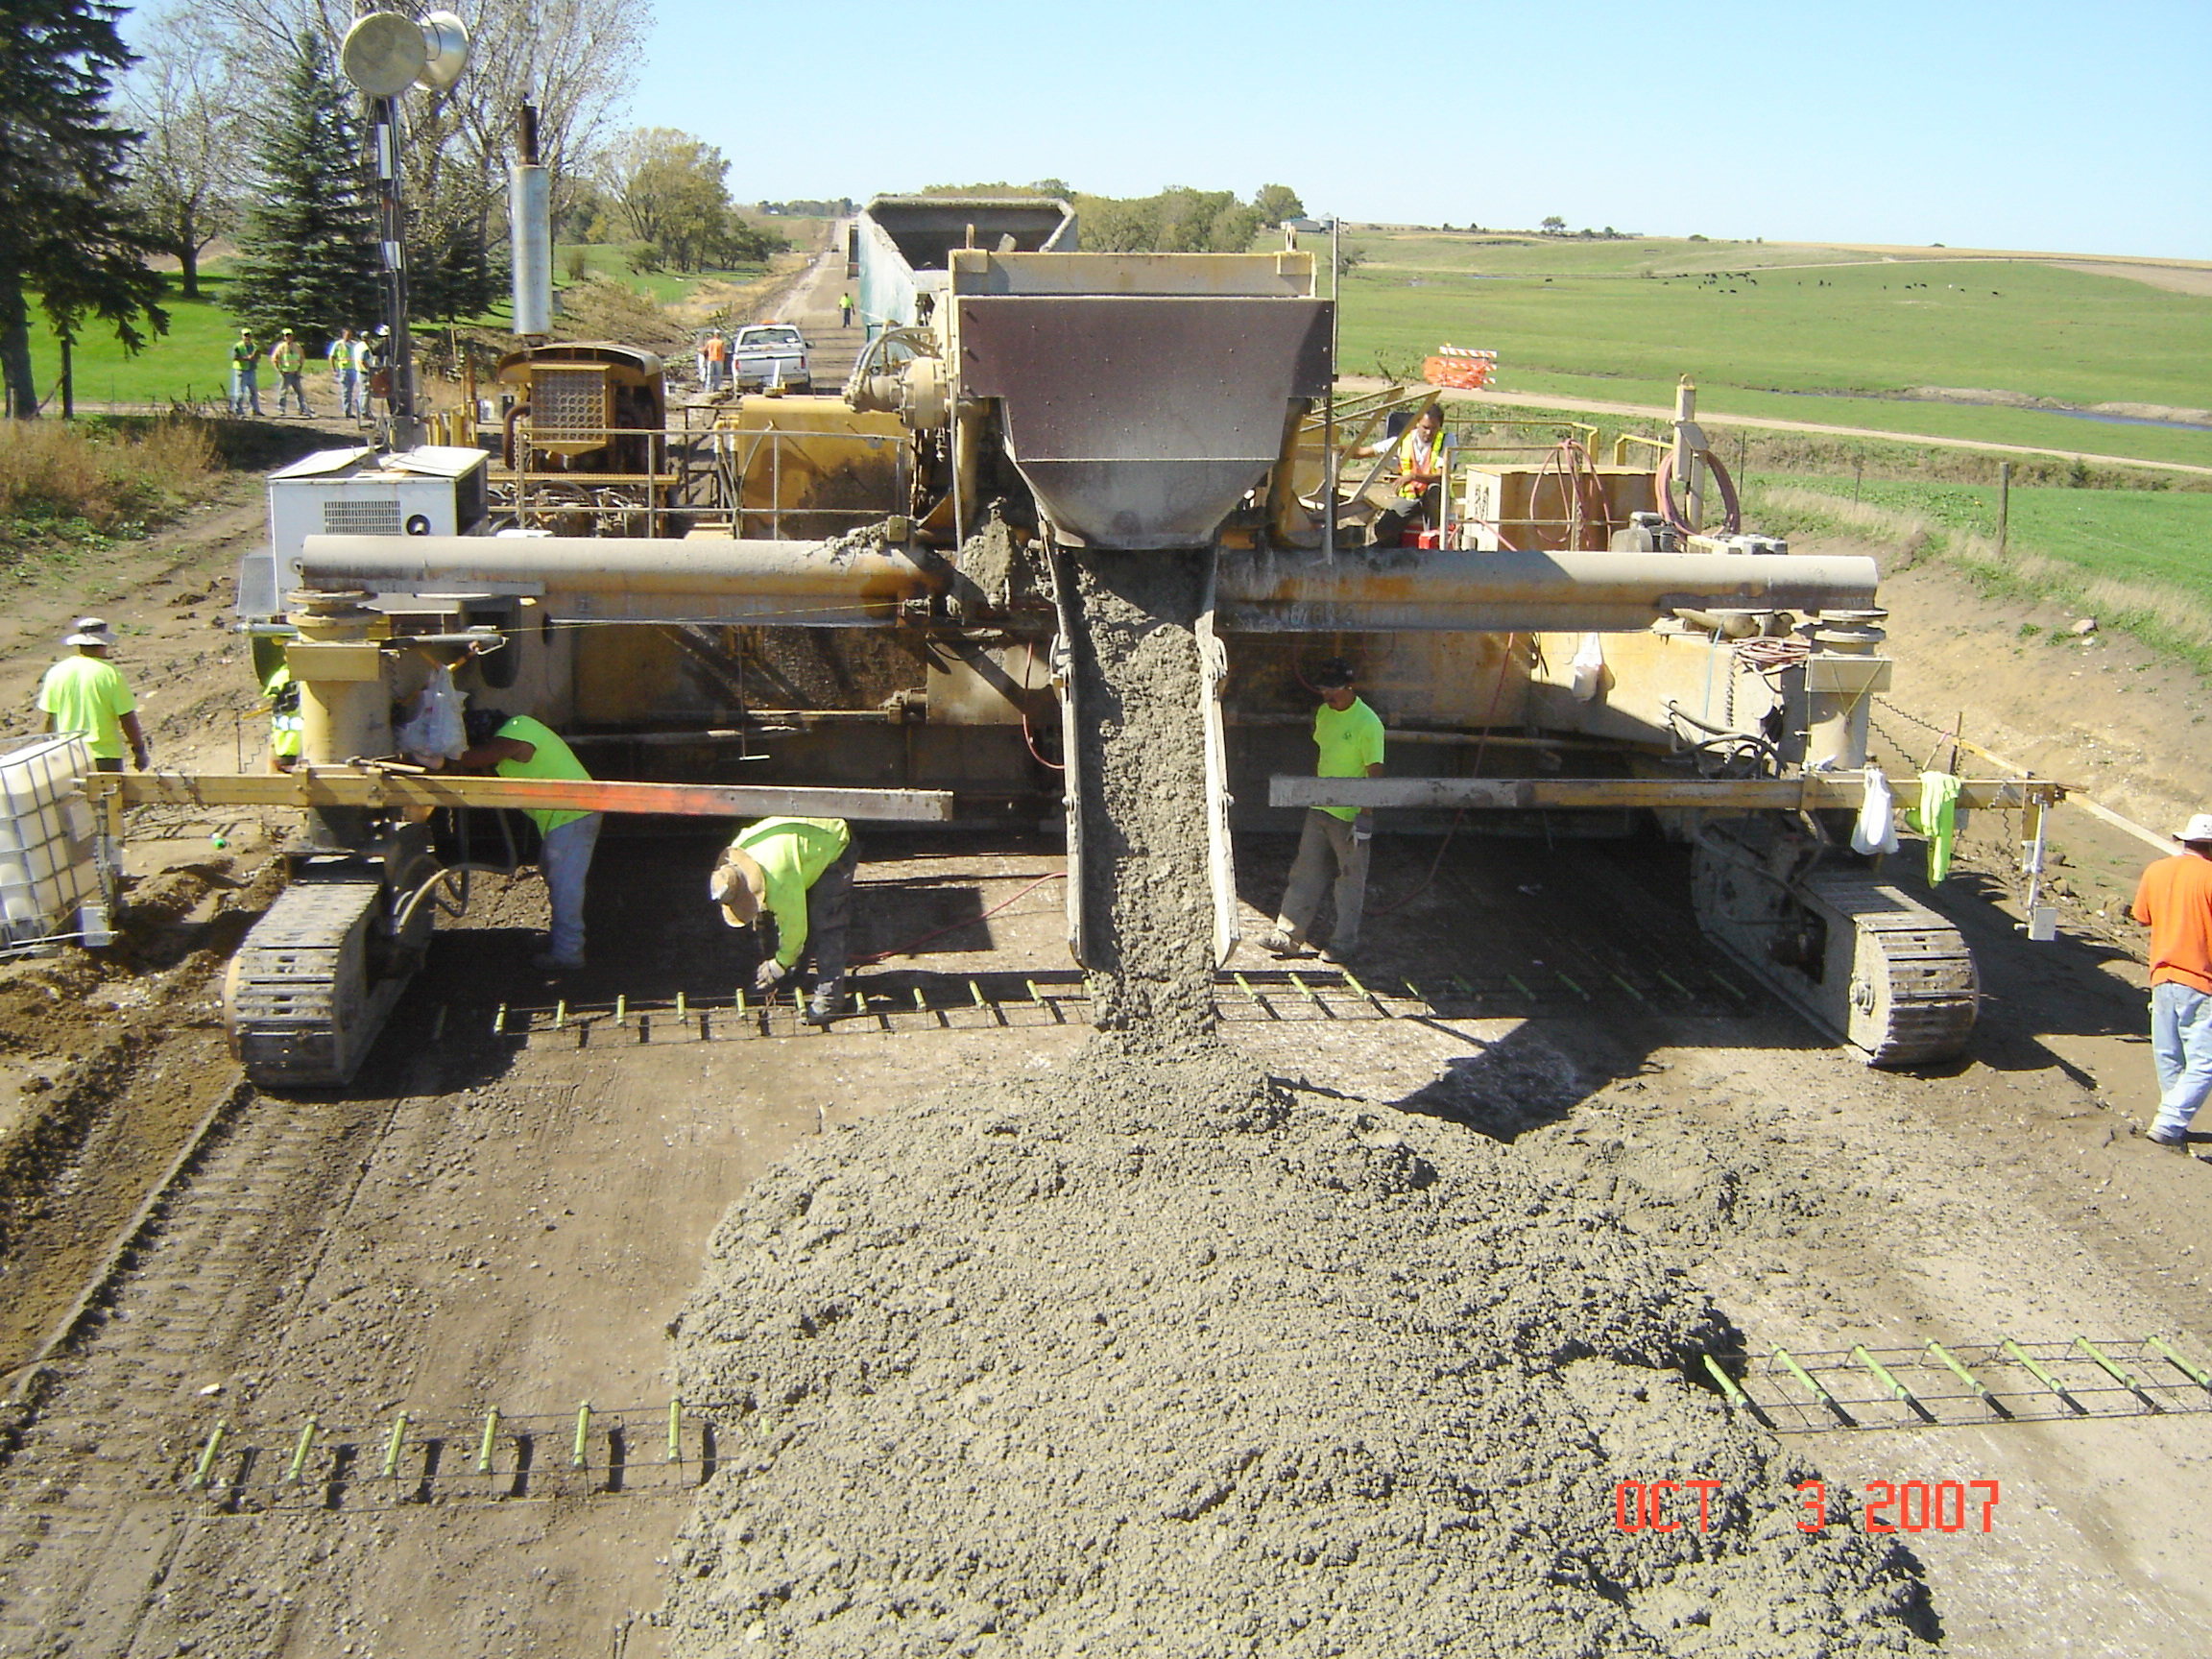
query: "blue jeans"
245, 389
2181, 1041
566, 857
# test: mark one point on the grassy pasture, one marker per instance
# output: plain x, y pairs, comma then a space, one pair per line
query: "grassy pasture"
191, 364
1805, 334
2134, 557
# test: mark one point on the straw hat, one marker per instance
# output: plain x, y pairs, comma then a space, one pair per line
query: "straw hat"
739, 886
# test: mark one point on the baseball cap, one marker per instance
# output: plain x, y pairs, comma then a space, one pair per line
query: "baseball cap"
1333, 674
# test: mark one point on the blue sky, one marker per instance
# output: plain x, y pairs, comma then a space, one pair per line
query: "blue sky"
2033, 126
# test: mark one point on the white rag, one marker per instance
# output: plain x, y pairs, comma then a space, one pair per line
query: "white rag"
1876, 830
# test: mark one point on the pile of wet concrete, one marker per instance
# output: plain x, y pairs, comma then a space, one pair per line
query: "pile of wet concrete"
1159, 1355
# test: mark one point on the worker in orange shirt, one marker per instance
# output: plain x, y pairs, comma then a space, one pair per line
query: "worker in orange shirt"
2175, 901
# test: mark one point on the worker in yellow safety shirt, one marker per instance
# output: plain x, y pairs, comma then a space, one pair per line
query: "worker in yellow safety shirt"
1349, 736
88, 694
286, 727
1421, 472
799, 871
521, 746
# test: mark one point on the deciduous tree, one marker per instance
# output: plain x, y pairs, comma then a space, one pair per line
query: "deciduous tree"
189, 96
1277, 203
66, 231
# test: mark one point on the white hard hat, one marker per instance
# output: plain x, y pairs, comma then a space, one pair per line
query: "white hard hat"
86, 640
2198, 828
91, 624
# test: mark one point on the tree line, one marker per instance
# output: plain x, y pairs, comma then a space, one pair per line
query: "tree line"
231, 123
1176, 220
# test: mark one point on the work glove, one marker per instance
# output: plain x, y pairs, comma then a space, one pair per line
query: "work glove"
768, 975
1364, 826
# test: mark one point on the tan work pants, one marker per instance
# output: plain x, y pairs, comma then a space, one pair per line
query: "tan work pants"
1326, 846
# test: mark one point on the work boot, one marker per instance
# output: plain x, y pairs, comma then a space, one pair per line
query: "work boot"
1276, 943
826, 1004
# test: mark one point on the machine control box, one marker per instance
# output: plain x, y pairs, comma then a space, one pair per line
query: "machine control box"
431, 491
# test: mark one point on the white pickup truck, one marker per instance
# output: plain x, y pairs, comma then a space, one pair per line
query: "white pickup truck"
767, 353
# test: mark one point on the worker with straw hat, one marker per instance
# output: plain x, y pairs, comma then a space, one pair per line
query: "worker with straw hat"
798, 871
88, 694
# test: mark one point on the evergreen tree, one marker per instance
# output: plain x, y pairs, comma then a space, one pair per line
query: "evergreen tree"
310, 258
65, 230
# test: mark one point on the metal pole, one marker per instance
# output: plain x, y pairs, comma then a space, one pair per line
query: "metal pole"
405, 432
1329, 407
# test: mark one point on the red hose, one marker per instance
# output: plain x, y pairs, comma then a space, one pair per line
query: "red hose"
1663, 486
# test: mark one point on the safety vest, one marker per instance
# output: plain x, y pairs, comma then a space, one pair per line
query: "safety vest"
1415, 456
285, 726
287, 357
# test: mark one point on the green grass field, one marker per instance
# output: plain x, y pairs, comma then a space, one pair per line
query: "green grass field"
2135, 557
1799, 335
191, 364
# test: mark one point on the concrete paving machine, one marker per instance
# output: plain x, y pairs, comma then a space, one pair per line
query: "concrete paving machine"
864, 605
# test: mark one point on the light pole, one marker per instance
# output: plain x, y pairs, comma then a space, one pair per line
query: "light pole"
384, 53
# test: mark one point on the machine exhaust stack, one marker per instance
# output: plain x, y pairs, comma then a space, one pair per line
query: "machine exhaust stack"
530, 208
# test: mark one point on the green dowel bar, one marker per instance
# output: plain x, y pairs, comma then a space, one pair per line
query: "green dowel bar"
437, 1025
2111, 1367
560, 1015
977, 991
1514, 981
741, 1001
2020, 1353
1464, 989
1245, 985
1625, 986
622, 1010
499, 1022
681, 1016
1571, 985
1671, 980
394, 1444
301, 1448
1413, 989
1882, 1374
204, 1469
2195, 1374
1035, 995
676, 1430
1811, 1386
1943, 1355
583, 1435
1734, 1395
485, 1444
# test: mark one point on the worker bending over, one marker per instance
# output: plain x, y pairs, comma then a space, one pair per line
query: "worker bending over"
522, 747
798, 871
1350, 738
88, 694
